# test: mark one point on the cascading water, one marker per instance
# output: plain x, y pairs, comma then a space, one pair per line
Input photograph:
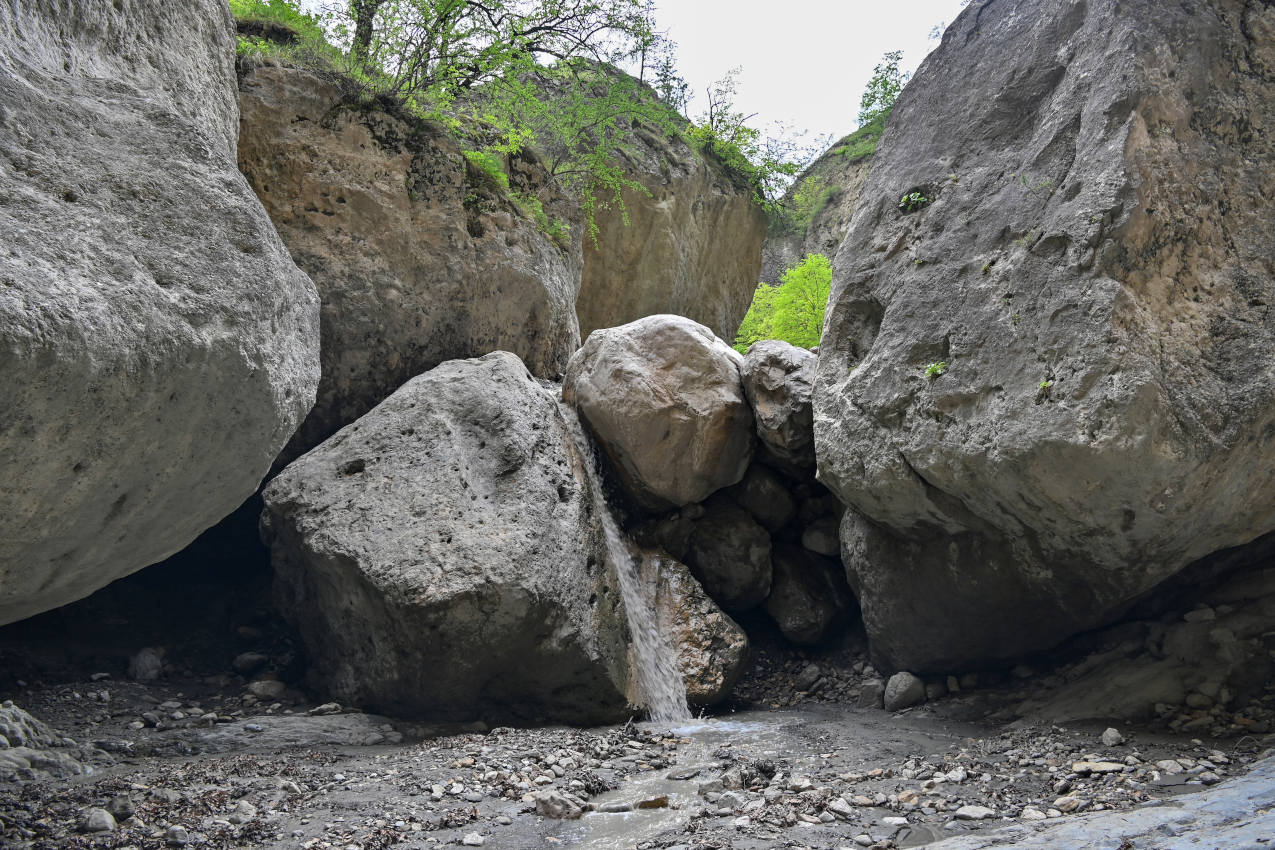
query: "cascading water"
662, 690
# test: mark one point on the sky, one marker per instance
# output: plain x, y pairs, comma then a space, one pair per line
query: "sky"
805, 62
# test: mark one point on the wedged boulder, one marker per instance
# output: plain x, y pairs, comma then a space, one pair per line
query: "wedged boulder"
663, 398
764, 495
691, 245
712, 650
442, 557
417, 256
778, 379
730, 555
1038, 380
157, 344
809, 600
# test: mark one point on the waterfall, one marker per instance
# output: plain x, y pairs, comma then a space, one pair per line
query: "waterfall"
662, 691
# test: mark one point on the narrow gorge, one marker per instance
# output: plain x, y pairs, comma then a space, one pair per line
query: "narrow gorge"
386, 462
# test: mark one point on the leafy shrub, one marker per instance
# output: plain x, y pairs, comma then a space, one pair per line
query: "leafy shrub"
280, 29
555, 228
490, 167
794, 310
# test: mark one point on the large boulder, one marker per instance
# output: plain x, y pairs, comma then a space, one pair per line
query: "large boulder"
712, 650
443, 556
730, 555
688, 242
663, 398
418, 256
778, 379
809, 600
1041, 382
157, 344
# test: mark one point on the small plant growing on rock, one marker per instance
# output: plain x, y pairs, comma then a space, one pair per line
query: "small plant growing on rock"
913, 201
935, 369
1044, 385
489, 166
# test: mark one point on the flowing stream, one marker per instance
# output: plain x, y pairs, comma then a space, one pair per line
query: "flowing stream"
663, 693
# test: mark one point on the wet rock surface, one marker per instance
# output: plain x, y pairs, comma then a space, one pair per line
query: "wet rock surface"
158, 346
1035, 377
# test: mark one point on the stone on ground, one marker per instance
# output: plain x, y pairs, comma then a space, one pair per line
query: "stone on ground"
903, 690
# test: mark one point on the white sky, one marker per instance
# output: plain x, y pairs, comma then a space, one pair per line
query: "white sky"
804, 62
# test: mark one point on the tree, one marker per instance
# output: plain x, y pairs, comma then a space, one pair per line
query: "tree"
794, 310
882, 89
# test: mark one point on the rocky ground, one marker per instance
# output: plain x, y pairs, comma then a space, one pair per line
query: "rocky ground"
226, 761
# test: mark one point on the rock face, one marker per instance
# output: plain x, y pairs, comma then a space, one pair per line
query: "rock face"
832, 183
442, 556
157, 344
692, 247
417, 256
663, 398
1039, 384
779, 379
712, 649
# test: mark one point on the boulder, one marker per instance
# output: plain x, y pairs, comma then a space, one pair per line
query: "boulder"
442, 557
663, 398
903, 690
1038, 385
712, 650
730, 555
778, 379
418, 257
764, 495
808, 600
157, 344
688, 242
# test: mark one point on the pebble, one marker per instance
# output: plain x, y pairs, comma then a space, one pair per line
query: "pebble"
1112, 737
473, 839
974, 813
177, 836
97, 820
1032, 813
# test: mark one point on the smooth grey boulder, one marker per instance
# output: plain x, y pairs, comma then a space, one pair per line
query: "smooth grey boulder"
778, 378
808, 600
157, 344
663, 398
1042, 380
903, 690
443, 558
730, 555
417, 256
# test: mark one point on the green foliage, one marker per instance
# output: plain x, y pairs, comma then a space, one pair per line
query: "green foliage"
882, 89
1044, 385
490, 166
809, 198
555, 228
913, 201
793, 311
936, 369
279, 29
862, 143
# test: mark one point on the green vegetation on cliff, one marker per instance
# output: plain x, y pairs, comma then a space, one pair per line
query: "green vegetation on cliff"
792, 311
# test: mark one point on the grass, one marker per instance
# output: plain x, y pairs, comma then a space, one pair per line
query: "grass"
862, 143
277, 29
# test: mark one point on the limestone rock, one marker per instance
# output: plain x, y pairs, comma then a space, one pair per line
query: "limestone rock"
712, 650
442, 556
691, 247
778, 378
1037, 379
730, 555
764, 495
663, 398
903, 690
809, 600
417, 258
157, 344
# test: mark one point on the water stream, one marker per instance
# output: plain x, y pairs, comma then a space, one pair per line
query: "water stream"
659, 682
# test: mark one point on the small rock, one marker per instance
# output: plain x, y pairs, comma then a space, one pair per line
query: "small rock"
840, 808
177, 836
243, 812
97, 820
894, 821
872, 694
616, 807
1087, 767
902, 691
249, 662
807, 677
1067, 805
1032, 813
267, 688
863, 840
473, 839
974, 813
147, 664
660, 802
558, 804
326, 708
121, 807
1112, 738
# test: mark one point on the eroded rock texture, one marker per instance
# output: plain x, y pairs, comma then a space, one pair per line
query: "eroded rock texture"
417, 256
157, 344
662, 395
442, 556
1044, 383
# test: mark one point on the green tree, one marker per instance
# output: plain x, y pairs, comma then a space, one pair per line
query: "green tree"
882, 89
794, 310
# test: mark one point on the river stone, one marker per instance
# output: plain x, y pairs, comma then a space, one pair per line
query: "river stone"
903, 690
416, 257
764, 495
157, 344
809, 600
442, 557
730, 555
778, 378
712, 650
1042, 386
663, 398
